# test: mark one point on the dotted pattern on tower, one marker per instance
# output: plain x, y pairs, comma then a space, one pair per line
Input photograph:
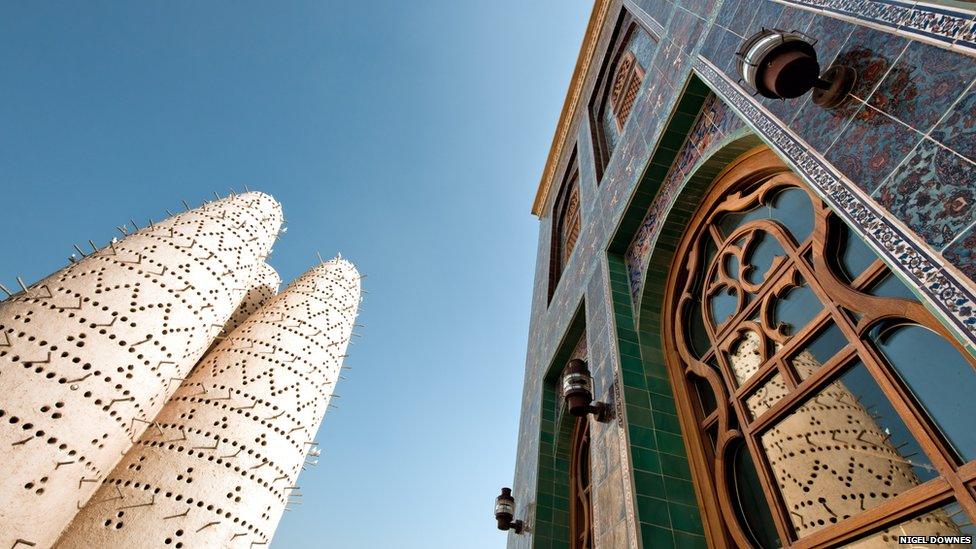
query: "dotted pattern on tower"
89, 355
219, 466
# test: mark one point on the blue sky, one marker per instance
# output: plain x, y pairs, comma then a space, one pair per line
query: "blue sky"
410, 136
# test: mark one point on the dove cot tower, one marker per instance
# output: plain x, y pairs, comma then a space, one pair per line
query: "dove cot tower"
90, 354
218, 466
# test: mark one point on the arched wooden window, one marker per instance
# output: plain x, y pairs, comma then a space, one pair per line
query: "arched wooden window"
566, 227
618, 84
580, 506
826, 405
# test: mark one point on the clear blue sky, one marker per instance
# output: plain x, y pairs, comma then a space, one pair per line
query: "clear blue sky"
410, 136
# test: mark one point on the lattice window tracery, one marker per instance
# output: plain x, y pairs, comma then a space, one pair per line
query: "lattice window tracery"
777, 318
626, 83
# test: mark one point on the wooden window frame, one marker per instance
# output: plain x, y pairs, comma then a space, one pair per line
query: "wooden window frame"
754, 174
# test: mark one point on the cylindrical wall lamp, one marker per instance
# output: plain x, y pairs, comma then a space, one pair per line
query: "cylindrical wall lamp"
783, 65
505, 512
578, 392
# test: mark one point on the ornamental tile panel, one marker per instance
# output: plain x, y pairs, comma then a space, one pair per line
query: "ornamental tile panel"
933, 192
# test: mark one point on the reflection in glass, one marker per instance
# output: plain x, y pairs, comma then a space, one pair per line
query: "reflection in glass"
745, 356
791, 207
940, 377
752, 508
818, 351
761, 255
854, 254
796, 309
949, 520
843, 451
766, 395
723, 305
892, 287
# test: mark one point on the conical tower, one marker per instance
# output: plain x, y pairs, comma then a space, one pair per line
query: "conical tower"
89, 355
221, 460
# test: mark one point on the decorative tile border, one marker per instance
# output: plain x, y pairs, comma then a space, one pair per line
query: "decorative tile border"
944, 26
946, 291
714, 123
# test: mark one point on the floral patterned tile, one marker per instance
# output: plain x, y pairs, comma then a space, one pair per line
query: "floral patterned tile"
922, 85
958, 130
962, 253
820, 127
871, 146
870, 53
933, 191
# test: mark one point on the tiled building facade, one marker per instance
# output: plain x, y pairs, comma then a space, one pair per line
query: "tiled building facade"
893, 166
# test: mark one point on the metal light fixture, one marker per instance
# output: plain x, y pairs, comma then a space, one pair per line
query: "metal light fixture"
578, 392
783, 65
505, 512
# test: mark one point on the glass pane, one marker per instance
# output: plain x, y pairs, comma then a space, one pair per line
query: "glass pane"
723, 305
705, 395
732, 265
940, 377
796, 309
753, 509
761, 255
843, 451
890, 286
712, 433
818, 351
745, 356
790, 207
766, 395
950, 520
854, 254
695, 331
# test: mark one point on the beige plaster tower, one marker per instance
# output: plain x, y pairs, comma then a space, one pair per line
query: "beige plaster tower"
219, 464
89, 355
262, 287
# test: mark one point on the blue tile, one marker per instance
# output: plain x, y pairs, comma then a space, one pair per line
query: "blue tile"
871, 147
958, 130
933, 192
922, 85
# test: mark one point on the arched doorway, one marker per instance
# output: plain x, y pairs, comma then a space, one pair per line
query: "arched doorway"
822, 402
